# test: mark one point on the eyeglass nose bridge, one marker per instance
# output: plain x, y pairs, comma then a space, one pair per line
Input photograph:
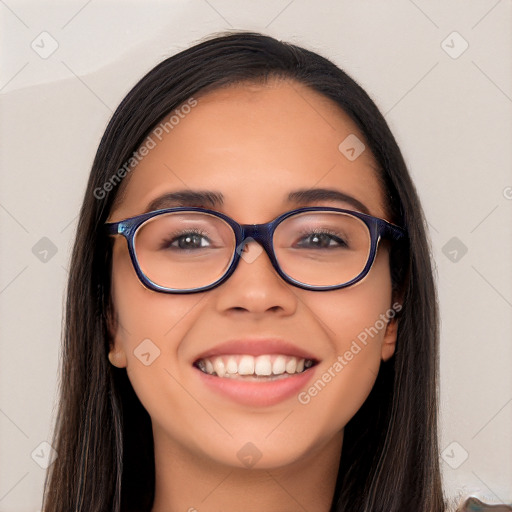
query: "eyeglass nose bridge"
261, 233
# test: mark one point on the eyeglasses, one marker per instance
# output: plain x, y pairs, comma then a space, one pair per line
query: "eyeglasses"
188, 250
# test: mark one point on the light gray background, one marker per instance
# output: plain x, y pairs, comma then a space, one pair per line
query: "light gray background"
450, 112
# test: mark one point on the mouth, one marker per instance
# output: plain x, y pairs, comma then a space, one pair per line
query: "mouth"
261, 368
256, 371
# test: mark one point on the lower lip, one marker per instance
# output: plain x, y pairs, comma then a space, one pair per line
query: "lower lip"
261, 394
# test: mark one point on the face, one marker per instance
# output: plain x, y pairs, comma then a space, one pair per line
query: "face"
253, 145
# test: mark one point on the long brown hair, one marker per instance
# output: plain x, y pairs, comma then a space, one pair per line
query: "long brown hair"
390, 456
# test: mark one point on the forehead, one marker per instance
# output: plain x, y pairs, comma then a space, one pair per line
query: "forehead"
254, 143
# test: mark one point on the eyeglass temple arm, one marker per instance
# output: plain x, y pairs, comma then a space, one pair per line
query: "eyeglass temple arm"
113, 228
393, 231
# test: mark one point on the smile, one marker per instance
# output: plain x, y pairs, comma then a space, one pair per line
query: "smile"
259, 368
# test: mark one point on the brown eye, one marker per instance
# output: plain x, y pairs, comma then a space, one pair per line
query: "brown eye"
187, 241
321, 240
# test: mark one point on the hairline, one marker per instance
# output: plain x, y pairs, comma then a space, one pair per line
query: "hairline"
270, 79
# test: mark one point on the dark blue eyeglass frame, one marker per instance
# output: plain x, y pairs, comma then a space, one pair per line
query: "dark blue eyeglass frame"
261, 233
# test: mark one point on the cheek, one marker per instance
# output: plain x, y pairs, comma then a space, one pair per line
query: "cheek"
150, 326
143, 313
347, 313
354, 321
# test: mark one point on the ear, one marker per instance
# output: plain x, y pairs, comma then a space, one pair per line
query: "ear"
390, 336
116, 355
117, 358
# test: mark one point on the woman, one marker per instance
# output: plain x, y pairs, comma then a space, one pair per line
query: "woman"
210, 364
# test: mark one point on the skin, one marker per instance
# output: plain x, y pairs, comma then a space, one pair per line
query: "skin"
254, 144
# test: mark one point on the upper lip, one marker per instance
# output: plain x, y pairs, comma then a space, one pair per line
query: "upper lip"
256, 347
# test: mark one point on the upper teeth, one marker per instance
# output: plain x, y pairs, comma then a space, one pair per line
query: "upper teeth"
225, 366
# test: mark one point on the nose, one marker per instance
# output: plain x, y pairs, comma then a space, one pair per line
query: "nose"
255, 286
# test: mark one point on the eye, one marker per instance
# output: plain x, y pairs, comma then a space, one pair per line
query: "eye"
186, 240
321, 240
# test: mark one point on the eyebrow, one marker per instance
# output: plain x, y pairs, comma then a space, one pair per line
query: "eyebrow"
186, 198
202, 198
313, 195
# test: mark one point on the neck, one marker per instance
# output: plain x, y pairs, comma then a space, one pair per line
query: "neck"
187, 482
